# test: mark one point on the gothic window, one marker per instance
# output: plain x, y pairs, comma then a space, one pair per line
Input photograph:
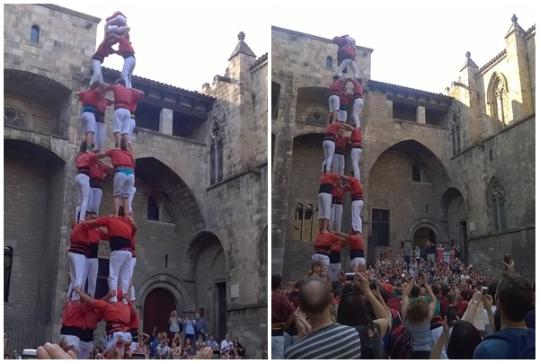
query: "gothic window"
153, 209
216, 153
496, 195
499, 105
8, 263
416, 173
305, 222
455, 132
329, 62
298, 222
34, 34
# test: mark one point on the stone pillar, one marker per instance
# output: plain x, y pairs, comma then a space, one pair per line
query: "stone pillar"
165, 121
420, 115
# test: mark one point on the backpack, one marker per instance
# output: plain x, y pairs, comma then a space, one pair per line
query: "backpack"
520, 346
400, 343
371, 347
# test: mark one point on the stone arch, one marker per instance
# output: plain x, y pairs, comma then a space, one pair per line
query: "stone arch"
34, 178
411, 204
429, 223
497, 97
44, 102
179, 201
183, 299
312, 105
207, 265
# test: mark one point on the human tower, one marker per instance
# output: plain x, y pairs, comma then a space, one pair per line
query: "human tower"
341, 136
82, 311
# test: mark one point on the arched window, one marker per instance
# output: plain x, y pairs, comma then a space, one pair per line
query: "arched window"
298, 222
216, 153
329, 62
416, 173
496, 195
34, 34
497, 98
455, 132
308, 223
153, 209
8, 263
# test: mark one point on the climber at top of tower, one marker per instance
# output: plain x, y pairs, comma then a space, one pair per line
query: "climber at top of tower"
346, 54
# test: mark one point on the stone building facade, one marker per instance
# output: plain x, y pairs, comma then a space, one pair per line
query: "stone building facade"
201, 179
457, 166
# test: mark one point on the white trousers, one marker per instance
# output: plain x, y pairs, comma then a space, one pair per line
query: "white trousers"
132, 125
82, 185
77, 265
95, 200
324, 205
115, 29
334, 103
86, 349
336, 217
100, 135
122, 121
97, 75
357, 206
356, 157
334, 269
90, 275
131, 271
350, 65
130, 199
338, 163
329, 151
356, 111
122, 184
71, 341
88, 122
342, 115
323, 260
119, 267
127, 71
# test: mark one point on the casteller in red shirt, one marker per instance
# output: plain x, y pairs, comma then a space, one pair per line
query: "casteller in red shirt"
121, 158
355, 138
73, 315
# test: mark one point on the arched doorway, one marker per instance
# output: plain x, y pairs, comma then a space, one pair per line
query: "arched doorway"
422, 235
157, 307
455, 214
208, 261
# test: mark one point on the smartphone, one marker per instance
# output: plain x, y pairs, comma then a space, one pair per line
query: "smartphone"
350, 275
484, 290
138, 356
507, 259
29, 354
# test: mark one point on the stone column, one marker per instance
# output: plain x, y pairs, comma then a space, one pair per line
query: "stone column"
166, 117
420, 115
282, 163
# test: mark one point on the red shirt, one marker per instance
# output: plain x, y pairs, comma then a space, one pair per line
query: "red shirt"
355, 241
355, 138
122, 95
121, 158
346, 48
85, 160
125, 48
102, 105
332, 129
103, 50
100, 170
112, 312
135, 97
340, 144
324, 241
358, 89
337, 88
83, 234
337, 193
73, 315
90, 97
116, 226
133, 320
281, 308
329, 178
355, 188
93, 317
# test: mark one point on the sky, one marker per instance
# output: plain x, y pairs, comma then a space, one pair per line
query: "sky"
417, 43
184, 44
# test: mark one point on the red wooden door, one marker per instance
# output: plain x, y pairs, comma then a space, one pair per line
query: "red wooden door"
157, 307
